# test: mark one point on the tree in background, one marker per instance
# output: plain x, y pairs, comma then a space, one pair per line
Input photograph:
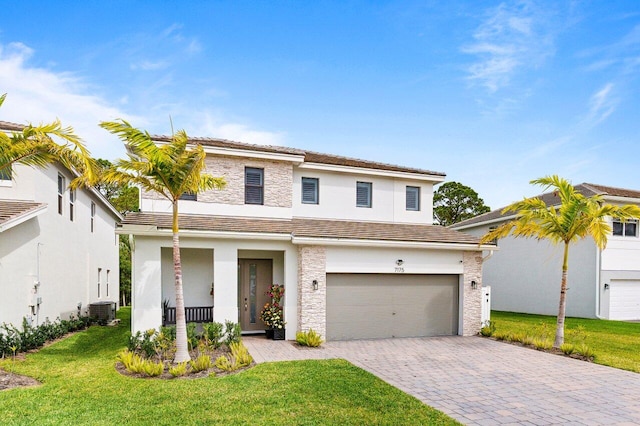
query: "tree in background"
36, 146
454, 202
576, 218
170, 170
125, 199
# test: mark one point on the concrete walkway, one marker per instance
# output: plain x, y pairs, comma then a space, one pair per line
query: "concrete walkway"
483, 382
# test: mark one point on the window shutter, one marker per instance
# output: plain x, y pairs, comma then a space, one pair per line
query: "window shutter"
413, 198
310, 190
253, 185
363, 194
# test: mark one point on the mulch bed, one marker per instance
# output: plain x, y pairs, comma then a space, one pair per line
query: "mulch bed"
554, 351
11, 380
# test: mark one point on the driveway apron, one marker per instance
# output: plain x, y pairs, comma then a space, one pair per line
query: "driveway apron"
479, 381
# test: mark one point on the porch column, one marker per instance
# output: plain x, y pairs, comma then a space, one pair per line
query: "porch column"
312, 304
225, 283
146, 304
472, 297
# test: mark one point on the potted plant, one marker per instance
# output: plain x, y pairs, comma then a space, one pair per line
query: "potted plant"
272, 314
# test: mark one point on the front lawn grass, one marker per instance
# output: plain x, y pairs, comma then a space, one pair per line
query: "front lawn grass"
81, 386
615, 343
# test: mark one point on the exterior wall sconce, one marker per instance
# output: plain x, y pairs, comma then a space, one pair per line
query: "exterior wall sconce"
606, 286
315, 284
399, 262
474, 284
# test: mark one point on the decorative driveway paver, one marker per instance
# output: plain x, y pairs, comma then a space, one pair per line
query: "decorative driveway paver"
479, 381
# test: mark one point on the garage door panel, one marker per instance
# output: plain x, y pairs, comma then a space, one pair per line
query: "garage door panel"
624, 300
361, 306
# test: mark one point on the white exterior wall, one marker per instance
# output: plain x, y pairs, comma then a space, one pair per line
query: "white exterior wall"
524, 275
150, 270
69, 254
337, 198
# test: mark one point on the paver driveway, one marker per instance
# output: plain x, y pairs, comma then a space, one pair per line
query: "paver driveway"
483, 382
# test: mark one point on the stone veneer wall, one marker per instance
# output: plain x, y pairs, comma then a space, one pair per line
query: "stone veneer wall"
472, 308
312, 304
278, 181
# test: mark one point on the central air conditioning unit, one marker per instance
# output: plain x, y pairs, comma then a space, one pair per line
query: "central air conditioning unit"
103, 311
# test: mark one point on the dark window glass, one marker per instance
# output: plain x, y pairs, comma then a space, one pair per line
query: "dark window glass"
5, 173
617, 227
191, 196
363, 194
253, 185
309, 190
631, 228
61, 187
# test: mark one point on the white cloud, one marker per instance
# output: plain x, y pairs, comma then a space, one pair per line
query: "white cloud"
512, 38
150, 65
601, 105
206, 124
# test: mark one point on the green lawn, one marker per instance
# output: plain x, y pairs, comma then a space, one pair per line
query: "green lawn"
615, 343
81, 386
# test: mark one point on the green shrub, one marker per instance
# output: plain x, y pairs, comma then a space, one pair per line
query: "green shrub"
152, 369
203, 362
178, 370
309, 338
528, 340
213, 334
500, 335
240, 354
131, 361
585, 351
567, 348
488, 329
232, 332
542, 343
223, 363
192, 336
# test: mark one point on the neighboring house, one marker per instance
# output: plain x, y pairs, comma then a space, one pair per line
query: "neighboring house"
58, 248
525, 274
352, 242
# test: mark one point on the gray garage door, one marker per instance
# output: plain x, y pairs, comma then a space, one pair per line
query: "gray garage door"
367, 306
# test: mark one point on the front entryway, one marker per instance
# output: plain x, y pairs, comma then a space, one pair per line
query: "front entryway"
254, 278
368, 306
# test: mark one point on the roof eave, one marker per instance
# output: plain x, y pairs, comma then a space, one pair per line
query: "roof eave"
15, 221
372, 171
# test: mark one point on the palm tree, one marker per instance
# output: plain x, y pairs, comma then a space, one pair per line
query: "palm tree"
169, 170
35, 146
576, 218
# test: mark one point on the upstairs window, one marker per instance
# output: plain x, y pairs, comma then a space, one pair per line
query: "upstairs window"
190, 196
253, 185
93, 215
625, 229
309, 190
61, 187
413, 198
363, 194
72, 201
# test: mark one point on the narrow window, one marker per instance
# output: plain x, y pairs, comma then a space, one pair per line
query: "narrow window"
253, 185
72, 200
190, 196
413, 198
61, 187
108, 282
363, 194
99, 277
309, 190
93, 214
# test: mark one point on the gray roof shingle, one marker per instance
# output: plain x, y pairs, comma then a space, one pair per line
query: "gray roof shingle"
13, 209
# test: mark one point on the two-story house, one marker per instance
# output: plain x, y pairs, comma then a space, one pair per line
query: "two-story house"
58, 247
352, 241
525, 274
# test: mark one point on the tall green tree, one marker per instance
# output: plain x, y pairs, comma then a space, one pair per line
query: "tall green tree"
454, 202
576, 218
170, 170
37, 146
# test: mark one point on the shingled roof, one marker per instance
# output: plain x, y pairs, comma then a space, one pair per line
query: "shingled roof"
307, 228
14, 209
12, 127
552, 199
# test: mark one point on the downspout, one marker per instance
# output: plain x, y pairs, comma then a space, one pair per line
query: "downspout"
598, 260
487, 257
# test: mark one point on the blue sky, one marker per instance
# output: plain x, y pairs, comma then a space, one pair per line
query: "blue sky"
492, 93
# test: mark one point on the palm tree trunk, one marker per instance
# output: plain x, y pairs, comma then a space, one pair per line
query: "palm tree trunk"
559, 340
182, 349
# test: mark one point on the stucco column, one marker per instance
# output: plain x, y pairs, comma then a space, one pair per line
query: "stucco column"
472, 297
312, 304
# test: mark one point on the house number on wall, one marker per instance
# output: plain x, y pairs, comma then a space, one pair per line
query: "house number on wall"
399, 269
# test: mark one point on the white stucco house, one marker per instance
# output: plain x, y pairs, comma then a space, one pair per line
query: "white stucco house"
58, 248
524, 274
352, 242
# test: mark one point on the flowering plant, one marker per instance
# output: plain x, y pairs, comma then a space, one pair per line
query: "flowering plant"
272, 314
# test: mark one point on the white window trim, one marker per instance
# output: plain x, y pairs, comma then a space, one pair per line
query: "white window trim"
623, 235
